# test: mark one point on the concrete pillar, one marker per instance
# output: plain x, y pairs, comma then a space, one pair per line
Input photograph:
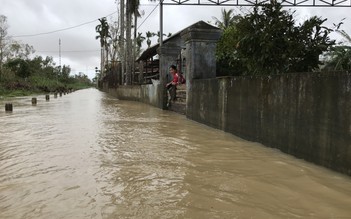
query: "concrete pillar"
141, 72
200, 42
47, 97
55, 95
168, 54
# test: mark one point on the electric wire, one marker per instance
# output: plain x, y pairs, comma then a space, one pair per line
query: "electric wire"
59, 30
148, 15
82, 24
69, 51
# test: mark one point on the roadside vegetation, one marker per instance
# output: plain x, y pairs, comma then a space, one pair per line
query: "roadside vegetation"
23, 73
268, 41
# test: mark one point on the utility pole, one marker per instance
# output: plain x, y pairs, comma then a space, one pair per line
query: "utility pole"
161, 23
60, 54
121, 41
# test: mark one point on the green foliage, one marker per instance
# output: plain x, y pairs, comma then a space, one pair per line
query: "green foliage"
339, 57
20, 75
23, 76
102, 30
267, 41
20, 66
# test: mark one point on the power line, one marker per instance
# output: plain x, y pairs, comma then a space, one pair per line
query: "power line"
68, 28
148, 15
69, 51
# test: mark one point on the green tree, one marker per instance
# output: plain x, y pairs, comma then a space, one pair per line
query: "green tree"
267, 41
3, 41
64, 76
228, 19
21, 67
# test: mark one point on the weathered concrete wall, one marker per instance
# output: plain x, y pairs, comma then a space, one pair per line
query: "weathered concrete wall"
144, 93
305, 115
127, 92
150, 94
209, 98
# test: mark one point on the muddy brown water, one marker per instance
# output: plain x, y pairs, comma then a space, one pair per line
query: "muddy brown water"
89, 155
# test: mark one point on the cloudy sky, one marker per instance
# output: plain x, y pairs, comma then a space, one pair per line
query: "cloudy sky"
41, 23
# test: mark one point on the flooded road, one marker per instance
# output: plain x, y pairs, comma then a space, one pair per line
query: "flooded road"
88, 155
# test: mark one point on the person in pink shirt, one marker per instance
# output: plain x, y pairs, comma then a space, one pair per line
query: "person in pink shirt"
174, 72
172, 85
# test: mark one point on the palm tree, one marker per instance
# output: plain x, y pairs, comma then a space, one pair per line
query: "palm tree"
148, 36
345, 35
132, 7
139, 41
135, 8
228, 18
103, 30
340, 56
122, 39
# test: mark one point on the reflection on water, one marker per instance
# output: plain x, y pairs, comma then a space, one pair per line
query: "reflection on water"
87, 155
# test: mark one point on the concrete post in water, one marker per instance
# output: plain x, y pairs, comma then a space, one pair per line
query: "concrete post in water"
60, 94
47, 97
8, 107
55, 95
34, 101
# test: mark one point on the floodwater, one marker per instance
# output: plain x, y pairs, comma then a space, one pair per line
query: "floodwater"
88, 155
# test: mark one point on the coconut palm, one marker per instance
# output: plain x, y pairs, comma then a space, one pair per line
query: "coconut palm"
148, 36
139, 41
346, 36
103, 30
122, 39
340, 56
228, 18
131, 8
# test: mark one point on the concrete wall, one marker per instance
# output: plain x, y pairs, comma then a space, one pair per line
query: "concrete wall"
144, 93
126, 92
150, 94
305, 115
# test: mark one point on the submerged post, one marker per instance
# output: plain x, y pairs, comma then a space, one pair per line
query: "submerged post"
34, 101
47, 97
8, 107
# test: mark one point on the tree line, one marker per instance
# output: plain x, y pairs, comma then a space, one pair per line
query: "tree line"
21, 70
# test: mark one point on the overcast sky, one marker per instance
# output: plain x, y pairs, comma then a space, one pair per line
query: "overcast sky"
81, 51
